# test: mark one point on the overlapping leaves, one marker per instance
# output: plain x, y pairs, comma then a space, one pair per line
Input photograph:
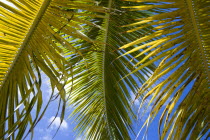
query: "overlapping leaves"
180, 47
39, 35
102, 103
32, 40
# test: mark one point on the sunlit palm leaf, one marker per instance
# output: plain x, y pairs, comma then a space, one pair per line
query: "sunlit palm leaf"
31, 41
102, 103
181, 48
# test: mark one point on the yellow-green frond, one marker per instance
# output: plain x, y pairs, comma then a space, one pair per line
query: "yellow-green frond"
102, 101
32, 37
180, 47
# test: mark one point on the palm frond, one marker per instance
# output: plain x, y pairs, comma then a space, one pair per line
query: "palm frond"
32, 37
179, 46
102, 103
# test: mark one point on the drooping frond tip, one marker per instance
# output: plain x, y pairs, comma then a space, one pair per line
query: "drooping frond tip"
101, 98
33, 37
179, 46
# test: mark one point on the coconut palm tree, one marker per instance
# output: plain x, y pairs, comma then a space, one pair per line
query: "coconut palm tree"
95, 54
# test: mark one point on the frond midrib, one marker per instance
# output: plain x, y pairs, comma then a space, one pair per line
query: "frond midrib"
107, 19
30, 32
198, 37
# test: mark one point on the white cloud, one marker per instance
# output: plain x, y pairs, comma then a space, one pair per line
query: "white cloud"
56, 123
48, 137
40, 130
79, 138
144, 110
47, 87
136, 101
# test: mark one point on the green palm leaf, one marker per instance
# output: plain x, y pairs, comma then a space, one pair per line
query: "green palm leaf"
32, 40
180, 47
102, 103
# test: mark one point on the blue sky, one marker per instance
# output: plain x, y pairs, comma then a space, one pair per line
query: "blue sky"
42, 131
66, 131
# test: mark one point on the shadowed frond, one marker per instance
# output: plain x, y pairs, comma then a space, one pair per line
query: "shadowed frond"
180, 47
32, 37
102, 103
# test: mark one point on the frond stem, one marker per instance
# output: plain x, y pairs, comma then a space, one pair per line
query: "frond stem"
191, 9
33, 27
107, 19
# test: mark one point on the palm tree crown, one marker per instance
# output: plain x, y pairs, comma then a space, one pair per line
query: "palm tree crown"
96, 53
